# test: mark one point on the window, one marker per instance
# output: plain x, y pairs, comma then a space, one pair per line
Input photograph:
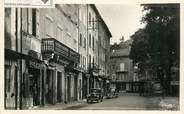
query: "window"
93, 59
37, 22
122, 66
83, 62
90, 40
89, 18
80, 40
89, 59
93, 22
59, 34
49, 27
34, 25
93, 43
84, 42
113, 67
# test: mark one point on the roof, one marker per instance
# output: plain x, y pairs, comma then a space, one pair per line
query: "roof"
122, 49
120, 52
103, 22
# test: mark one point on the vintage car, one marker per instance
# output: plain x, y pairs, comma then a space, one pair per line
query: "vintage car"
96, 94
112, 94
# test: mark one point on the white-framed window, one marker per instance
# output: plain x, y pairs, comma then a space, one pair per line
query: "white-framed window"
122, 66
59, 34
49, 27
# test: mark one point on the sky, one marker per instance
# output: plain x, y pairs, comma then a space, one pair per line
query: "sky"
121, 19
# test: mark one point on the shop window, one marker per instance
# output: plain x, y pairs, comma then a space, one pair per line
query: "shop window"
27, 86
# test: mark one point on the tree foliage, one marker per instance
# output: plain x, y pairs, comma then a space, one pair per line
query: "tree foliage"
158, 43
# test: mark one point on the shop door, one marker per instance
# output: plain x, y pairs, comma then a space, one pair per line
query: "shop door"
10, 87
59, 86
84, 88
68, 89
49, 86
80, 89
75, 87
35, 83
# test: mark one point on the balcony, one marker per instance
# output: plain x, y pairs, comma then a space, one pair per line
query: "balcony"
51, 45
122, 71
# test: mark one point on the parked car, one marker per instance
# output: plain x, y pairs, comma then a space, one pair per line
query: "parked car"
116, 95
96, 94
109, 96
112, 95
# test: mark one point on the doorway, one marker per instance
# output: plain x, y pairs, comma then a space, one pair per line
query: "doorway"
49, 86
59, 86
10, 87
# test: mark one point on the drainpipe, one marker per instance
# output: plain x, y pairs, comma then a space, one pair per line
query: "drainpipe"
21, 88
87, 46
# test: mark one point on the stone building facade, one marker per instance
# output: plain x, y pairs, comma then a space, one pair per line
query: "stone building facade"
123, 75
55, 53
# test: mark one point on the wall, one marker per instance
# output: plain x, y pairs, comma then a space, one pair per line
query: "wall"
83, 31
66, 23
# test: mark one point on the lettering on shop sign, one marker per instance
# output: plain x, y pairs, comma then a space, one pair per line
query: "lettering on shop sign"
34, 64
29, 3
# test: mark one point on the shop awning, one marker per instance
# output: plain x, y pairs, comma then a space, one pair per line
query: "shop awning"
10, 54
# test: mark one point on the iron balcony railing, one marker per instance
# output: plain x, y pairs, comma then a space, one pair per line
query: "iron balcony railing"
51, 45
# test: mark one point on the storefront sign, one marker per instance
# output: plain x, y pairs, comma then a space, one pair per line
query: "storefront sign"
34, 64
174, 82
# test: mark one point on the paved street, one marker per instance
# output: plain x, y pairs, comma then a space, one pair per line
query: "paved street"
123, 102
126, 101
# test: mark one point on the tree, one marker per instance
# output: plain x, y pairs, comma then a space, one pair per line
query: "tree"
159, 40
139, 50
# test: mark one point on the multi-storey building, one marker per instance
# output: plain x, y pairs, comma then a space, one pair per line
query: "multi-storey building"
83, 49
24, 68
98, 39
122, 70
103, 55
59, 49
58, 54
